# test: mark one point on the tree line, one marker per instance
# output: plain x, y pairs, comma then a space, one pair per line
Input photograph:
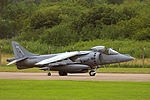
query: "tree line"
65, 22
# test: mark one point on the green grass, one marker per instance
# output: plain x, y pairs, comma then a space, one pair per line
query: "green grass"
73, 90
14, 69
125, 70
101, 70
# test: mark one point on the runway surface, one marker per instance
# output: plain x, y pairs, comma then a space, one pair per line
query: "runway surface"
84, 76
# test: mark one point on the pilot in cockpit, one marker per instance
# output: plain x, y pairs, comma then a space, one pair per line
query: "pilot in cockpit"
103, 49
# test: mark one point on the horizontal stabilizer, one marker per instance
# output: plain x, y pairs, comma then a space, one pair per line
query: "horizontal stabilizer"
17, 60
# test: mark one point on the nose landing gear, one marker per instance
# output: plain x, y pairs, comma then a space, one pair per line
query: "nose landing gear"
92, 73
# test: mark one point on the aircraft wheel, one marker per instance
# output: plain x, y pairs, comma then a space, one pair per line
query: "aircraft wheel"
92, 73
62, 73
48, 74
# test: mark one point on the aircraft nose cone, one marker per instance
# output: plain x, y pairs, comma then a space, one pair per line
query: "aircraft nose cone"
124, 58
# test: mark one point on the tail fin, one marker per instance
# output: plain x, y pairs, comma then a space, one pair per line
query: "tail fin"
19, 51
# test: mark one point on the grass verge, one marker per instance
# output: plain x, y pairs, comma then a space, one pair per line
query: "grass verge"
125, 70
14, 69
101, 70
73, 90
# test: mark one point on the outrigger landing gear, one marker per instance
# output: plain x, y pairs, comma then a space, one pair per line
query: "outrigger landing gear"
49, 73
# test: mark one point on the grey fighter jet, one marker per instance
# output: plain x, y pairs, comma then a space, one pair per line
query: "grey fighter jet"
67, 62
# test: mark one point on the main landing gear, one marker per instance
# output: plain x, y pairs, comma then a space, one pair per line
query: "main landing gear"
62, 73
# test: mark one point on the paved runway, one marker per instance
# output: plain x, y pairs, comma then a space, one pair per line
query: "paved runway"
84, 76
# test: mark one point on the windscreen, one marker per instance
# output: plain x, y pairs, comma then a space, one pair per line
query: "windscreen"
112, 52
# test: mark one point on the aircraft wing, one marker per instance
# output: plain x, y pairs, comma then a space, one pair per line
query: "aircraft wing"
60, 63
60, 57
17, 60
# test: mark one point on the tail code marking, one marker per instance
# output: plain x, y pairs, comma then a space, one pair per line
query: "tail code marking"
20, 51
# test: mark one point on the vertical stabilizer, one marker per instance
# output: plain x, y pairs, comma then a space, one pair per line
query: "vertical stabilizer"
19, 51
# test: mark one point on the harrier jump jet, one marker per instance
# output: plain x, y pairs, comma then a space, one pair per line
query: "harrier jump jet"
67, 62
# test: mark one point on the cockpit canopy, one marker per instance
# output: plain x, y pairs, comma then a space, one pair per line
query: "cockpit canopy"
103, 49
98, 48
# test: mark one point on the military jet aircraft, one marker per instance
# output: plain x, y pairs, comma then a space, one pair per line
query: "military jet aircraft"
67, 62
